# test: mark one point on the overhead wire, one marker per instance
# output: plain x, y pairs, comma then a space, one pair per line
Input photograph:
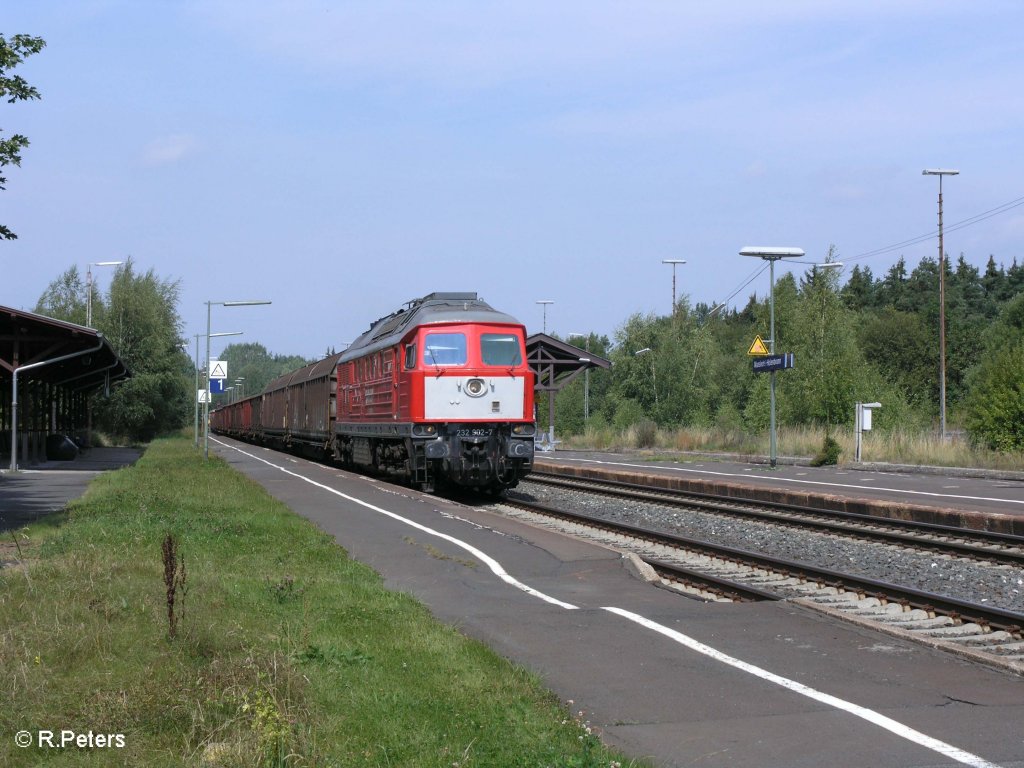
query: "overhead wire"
969, 221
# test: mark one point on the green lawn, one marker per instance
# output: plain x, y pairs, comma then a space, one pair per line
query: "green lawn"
286, 652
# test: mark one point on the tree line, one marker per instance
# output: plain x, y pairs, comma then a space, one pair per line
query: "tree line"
870, 339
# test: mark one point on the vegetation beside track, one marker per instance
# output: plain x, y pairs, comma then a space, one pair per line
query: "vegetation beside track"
282, 650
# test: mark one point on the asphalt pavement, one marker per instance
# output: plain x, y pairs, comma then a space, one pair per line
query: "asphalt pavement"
659, 675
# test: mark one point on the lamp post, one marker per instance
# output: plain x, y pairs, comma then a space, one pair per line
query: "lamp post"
654, 381
771, 255
198, 337
544, 303
206, 405
88, 285
586, 376
673, 262
940, 172
240, 383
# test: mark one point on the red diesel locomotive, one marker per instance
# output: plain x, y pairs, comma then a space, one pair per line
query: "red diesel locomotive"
438, 393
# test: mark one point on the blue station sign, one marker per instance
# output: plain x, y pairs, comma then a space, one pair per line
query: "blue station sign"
768, 363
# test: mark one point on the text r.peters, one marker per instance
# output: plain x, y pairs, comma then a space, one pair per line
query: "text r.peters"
81, 740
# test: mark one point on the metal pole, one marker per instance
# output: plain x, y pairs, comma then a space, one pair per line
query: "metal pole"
196, 437
857, 415
940, 172
14, 392
88, 298
673, 289
771, 301
586, 386
942, 325
206, 404
674, 263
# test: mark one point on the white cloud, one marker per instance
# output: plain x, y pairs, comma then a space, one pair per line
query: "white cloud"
170, 149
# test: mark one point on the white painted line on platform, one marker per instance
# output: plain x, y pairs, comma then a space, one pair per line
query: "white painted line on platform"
947, 750
792, 480
489, 561
875, 718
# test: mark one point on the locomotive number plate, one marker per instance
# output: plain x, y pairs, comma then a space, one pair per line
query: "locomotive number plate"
478, 432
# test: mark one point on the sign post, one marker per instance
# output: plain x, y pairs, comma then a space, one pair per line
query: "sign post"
862, 424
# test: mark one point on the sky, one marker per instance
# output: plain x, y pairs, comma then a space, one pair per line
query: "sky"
341, 158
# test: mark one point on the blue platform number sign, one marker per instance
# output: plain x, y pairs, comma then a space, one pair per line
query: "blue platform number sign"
217, 386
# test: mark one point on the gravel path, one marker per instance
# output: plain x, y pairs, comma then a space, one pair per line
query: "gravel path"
997, 585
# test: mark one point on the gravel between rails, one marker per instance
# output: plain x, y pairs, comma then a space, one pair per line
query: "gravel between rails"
1001, 586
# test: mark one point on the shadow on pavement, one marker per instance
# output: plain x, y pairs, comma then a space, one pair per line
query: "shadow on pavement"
38, 491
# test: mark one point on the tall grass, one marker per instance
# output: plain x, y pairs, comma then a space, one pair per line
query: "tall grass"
896, 446
283, 650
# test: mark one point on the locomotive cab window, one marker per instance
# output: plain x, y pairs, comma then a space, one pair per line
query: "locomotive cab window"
444, 349
500, 349
410, 357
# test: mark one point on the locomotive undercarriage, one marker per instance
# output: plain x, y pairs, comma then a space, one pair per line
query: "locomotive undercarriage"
479, 457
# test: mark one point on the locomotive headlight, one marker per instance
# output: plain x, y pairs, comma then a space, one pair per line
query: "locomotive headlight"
475, 387
424, 429
523, 429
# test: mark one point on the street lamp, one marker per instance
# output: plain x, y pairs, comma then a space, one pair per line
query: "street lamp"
88, 284
654, 380
240, 383
673, 262
206, 405
544, 303
586, 376
940, 172
198, 337
771, 255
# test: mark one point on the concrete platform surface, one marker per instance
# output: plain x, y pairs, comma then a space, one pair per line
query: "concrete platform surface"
768, 685
31, 493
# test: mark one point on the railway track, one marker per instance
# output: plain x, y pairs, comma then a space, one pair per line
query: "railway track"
711, 571
946, 540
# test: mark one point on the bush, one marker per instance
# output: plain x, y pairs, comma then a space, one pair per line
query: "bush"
646, 434
995, 406
829, 454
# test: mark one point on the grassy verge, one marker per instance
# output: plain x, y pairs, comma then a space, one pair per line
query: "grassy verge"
897, 447
285, 651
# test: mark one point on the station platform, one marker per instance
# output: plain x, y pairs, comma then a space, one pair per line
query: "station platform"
29, 494
674, 680
971, 498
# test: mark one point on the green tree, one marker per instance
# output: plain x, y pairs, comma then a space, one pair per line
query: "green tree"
64, 298
994, 412
14, 88
140, 320
902, 348
252, 362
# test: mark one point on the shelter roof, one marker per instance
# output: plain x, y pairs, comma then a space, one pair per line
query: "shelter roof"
27, 338
555, 363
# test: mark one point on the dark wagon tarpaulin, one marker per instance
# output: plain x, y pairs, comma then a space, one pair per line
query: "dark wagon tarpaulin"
555, 363
55, 365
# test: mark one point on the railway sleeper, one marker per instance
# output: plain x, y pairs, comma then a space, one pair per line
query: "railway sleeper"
960, 632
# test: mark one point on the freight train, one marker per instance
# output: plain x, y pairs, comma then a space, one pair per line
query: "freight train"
438, 393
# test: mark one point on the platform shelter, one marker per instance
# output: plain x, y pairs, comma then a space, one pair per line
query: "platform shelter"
555, 364
48, 370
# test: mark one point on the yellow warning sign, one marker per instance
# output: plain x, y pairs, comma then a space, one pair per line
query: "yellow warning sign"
758, 347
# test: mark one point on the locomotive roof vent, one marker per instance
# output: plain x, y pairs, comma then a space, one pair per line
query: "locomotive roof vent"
453, 296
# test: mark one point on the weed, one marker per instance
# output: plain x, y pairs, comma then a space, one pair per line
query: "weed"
175, 578
284, 590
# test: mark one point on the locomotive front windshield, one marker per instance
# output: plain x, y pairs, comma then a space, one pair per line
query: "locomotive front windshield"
500, 349
445, 349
